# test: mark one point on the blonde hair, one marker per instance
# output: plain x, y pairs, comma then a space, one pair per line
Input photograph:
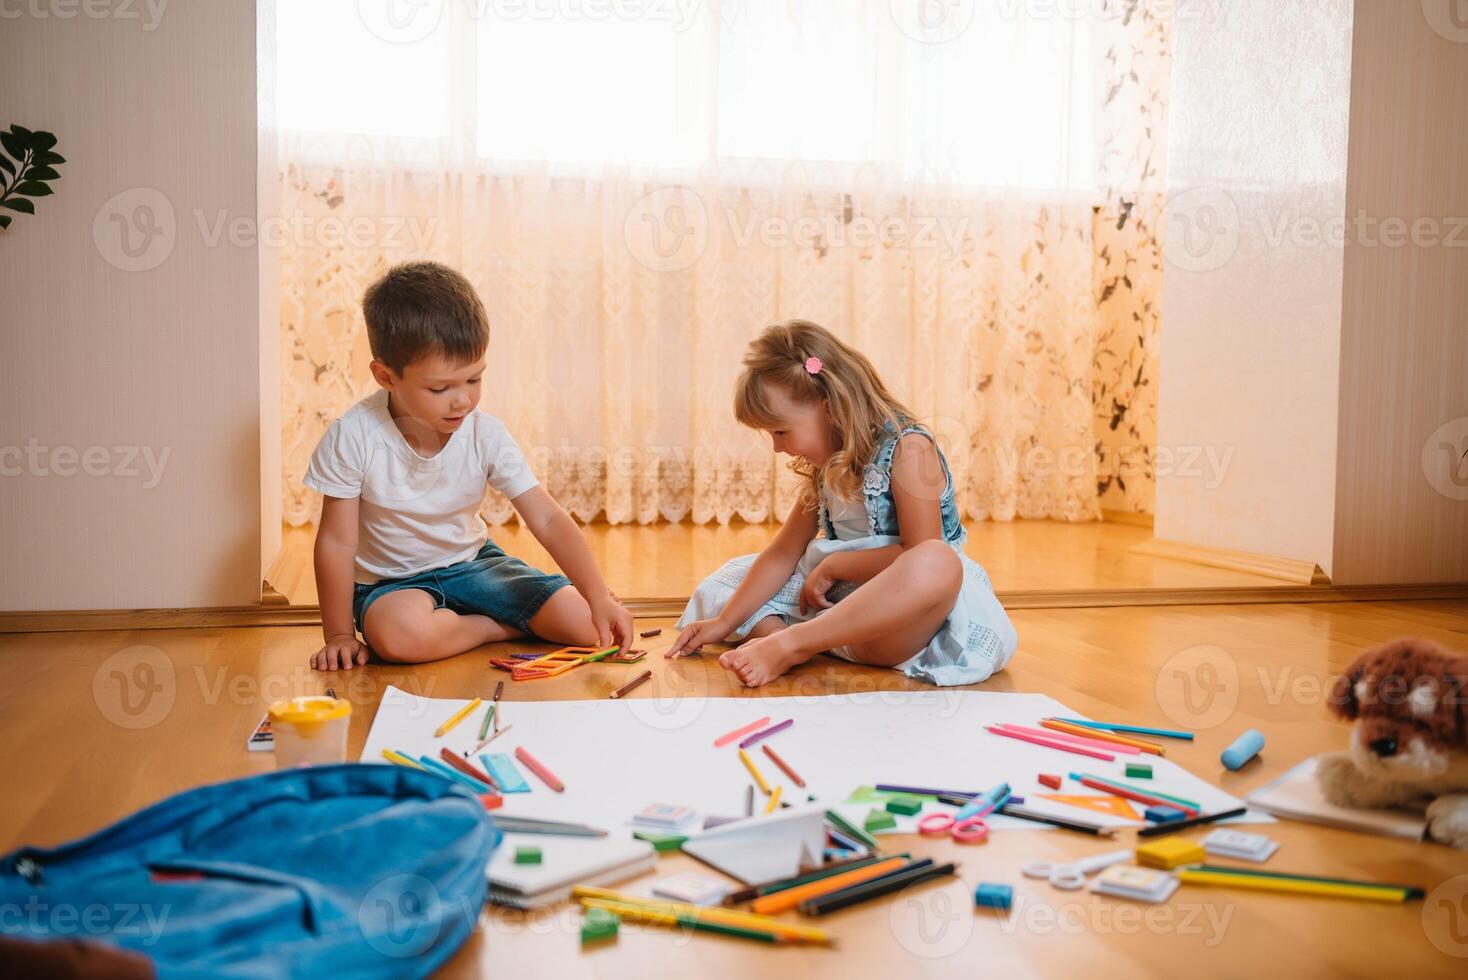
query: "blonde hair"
858, 401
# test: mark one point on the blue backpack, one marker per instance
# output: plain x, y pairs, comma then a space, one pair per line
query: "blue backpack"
348, 870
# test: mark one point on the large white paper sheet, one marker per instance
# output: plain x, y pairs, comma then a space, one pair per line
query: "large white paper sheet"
617, 757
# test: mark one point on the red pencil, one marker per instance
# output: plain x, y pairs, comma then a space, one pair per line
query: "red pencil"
1131, 794
468, 768
537, 767
784, 767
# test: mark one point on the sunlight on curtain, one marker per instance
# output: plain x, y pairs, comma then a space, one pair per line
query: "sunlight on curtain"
637, 187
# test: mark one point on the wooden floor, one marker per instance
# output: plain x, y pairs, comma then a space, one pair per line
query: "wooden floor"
99, 724
667, 560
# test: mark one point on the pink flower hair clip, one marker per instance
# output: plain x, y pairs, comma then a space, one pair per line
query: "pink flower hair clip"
813, 365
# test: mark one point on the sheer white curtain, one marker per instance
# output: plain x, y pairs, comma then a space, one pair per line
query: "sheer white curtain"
637, 187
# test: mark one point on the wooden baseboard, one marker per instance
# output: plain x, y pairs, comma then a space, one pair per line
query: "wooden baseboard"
1294, 571
671, 606
1132, 517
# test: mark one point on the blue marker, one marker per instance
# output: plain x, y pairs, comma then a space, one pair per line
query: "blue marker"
986, 802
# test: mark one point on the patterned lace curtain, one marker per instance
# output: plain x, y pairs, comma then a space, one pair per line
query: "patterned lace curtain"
635, 197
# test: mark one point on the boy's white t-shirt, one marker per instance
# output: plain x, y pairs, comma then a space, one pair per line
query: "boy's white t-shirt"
415, 513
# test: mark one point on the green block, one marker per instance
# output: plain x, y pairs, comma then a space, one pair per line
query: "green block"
879, 820
527, 855
660, 842
908, 806
1138, 770
598, 924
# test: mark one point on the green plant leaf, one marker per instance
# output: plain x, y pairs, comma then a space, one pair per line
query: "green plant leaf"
6, 165
13, 145
4, 221
20, 204
20, 131
32, 188
47, 158
42, 140
40, 173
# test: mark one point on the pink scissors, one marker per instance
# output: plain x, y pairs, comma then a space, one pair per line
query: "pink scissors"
968, 825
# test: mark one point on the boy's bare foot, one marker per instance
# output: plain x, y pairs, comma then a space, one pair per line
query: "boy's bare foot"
759, 661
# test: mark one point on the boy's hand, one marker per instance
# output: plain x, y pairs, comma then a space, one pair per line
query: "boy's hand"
817, 584
340, 652
612, 622
696, 634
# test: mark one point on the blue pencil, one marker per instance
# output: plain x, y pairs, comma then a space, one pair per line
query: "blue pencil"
1134, 729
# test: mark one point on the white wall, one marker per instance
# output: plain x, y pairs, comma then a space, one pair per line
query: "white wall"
154, 106
1251, 316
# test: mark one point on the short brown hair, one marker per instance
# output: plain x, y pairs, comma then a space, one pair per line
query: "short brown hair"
420, 308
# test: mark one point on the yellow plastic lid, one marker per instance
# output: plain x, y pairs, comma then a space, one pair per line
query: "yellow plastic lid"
307, 712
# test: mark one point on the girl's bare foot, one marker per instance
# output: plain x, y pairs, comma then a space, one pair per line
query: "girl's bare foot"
759, 661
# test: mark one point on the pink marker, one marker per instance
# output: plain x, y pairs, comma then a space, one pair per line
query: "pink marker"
1052, 744
724, 740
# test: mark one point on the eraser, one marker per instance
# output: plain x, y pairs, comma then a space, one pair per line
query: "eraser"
1245, 747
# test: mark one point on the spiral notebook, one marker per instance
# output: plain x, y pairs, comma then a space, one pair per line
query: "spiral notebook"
564, 862
1296, 796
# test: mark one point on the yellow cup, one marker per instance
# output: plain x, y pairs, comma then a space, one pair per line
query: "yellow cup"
310, 731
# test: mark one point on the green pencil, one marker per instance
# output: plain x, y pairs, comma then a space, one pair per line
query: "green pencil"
488, 719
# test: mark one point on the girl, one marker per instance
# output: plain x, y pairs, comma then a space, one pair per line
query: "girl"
888, 584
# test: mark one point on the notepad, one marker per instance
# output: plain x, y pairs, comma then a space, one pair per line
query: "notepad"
1296, 796
564, 862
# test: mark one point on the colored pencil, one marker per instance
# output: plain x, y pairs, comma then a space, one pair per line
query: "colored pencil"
654, 917
758, 779
548, 828
784, 766
1412, 891
733, 917
920, 791
457, 717
473, 782
1134, 729
398, 759
737, 733
499, 689
749, 801
1186, 804
914, 873
630, 684
652, 632
538, 767
1176, 825
1073, 739
468, 769
331, 692
852, 830
601, 655
786, 900
498, 731
1052, 743
774, 803
1023, 813
488, 720
760, 736
1130, 794
1082, 732
770, 887
1301, 886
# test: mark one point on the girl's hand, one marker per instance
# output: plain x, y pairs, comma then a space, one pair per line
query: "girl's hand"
696, 634
817, 584
342, 651
612, 622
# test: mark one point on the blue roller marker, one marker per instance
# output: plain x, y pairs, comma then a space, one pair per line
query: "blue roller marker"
1245, 747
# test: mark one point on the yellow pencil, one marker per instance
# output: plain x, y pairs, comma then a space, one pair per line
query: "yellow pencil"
732, 917
459, 716
1367, 892
758, 779
774, 803
1136, 743
398, 759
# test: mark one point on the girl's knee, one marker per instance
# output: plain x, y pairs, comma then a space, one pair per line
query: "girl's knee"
934, 565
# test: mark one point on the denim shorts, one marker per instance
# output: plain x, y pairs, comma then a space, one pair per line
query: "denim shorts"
491, 584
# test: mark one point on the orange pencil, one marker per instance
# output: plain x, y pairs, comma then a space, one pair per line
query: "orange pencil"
784, 767
791, 897
1069, 729
468, 768
537, 767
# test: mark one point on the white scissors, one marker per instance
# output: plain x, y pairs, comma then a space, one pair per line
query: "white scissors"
1072, 877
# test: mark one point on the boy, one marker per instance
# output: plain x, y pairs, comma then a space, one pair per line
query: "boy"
401, 552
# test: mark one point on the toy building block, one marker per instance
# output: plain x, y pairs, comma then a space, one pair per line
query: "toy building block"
1138, 770
879, 820
907, 806
598, 925
1047, 779
991, 896
527, 855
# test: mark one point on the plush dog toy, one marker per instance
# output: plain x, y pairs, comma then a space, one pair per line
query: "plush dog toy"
1409, 700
